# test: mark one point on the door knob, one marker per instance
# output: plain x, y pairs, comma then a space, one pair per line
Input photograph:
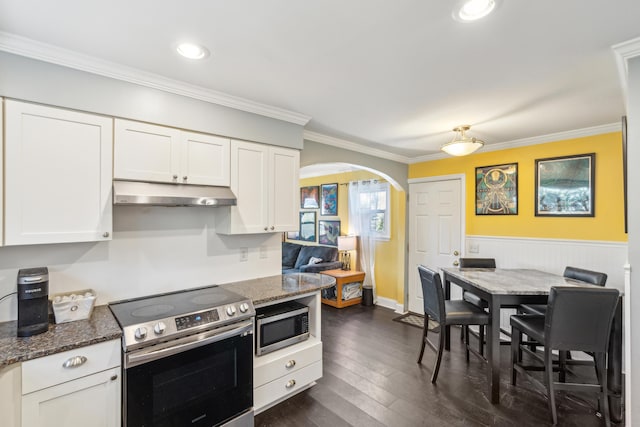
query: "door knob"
456, 263
456, 253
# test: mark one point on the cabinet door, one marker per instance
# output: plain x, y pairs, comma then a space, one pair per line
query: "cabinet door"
204, 159
145, 152
284, 195
92, 400
57, 175
249, 183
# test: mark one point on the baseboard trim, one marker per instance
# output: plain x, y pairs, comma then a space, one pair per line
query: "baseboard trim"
390, 303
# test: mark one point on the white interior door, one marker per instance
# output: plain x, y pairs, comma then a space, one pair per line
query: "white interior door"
435, 230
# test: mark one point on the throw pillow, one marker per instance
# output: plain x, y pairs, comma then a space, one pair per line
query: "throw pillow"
314, 260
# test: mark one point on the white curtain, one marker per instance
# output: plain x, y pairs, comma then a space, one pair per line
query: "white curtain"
359, 226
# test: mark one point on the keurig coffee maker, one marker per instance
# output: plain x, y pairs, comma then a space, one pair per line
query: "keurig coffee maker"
33, 301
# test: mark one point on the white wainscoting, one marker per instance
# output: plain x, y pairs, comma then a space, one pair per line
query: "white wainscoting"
551, 255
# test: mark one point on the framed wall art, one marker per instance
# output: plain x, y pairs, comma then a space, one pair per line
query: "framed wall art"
328, 232
309, 197
329, 199
307, 226
565, 186
497, 190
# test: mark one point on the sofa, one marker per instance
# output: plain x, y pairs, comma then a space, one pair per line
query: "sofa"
308, 259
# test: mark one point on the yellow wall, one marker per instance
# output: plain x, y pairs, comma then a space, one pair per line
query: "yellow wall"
608, 222
389, 259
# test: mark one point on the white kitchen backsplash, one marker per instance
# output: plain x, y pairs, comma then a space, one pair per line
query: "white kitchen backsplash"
154, 249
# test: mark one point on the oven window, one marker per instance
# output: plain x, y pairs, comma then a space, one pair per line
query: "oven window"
204, 386
279, 330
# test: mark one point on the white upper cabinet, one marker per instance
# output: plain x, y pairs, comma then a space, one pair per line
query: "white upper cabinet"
146, 152
265, 182
58, 175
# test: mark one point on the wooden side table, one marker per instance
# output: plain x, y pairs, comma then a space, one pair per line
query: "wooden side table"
343, 277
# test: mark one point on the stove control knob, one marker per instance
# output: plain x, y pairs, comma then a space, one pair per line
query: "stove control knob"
140, 333
244, 307
231, 311
159, 328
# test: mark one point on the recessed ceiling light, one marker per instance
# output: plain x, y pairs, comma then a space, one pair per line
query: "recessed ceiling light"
192, 51
471, 10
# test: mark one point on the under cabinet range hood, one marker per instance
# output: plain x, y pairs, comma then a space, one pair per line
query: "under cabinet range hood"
158, 194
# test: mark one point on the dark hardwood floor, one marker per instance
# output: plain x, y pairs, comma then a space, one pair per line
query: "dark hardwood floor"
371, 378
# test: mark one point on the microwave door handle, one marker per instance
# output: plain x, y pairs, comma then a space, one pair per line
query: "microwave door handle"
189, 343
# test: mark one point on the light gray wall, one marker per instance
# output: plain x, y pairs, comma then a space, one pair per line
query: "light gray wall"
37, 81
633, 174
315, 153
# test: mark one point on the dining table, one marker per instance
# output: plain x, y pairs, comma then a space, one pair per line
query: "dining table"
507, 288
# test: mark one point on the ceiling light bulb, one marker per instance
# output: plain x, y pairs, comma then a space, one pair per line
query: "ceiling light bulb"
476, 9
192, 51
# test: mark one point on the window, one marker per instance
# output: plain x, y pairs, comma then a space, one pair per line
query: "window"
374, 208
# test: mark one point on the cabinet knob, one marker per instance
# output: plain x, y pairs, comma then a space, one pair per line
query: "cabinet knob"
175, 176
266, 229
74, 362
273, 228
290, 383
114, 377
184, 178
105, 234
290, 364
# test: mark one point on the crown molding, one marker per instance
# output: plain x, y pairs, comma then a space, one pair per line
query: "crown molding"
542, 139
353, 146
623, 52
552, 137
29, 48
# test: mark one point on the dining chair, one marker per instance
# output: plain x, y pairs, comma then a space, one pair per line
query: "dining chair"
588, 276
475, 299
446, 313
577, 318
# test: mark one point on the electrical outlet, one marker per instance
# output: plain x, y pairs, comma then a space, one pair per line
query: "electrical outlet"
244, 254
263, 252
474, 248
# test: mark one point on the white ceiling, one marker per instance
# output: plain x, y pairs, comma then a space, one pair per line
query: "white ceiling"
394, 75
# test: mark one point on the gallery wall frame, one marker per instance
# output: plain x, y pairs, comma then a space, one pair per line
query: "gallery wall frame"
565, 186
497, 189
328, 232
329, 199
309, 197
307, 231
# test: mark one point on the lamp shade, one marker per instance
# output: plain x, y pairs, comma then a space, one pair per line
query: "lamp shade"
462, 145
347, 243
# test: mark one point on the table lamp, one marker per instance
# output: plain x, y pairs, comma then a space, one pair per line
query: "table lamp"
346, 244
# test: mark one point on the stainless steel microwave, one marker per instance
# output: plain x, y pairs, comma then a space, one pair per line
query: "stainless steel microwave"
281, 325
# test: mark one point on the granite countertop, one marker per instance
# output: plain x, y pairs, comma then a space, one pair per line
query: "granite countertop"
101, 326
269, 289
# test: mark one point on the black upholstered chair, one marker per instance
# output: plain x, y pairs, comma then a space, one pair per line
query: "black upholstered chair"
473, 298
588, 276
577, 318
446, 313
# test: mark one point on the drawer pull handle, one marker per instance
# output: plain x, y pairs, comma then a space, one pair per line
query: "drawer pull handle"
290, 383
74, 362
114, 377
290, 364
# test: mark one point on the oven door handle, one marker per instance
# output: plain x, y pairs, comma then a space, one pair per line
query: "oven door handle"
187, 343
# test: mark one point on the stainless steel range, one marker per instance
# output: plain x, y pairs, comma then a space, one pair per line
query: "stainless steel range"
187, 358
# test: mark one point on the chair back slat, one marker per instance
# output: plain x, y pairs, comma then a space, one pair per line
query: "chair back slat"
579, 318
593, 277
477, 263
432, 293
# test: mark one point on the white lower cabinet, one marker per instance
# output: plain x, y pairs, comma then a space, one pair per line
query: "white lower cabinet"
75, 388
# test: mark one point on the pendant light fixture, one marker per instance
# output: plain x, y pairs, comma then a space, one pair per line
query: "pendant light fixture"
462, 145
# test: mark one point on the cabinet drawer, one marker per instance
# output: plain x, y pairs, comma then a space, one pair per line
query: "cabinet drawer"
288, 384
48, 371
286, 364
